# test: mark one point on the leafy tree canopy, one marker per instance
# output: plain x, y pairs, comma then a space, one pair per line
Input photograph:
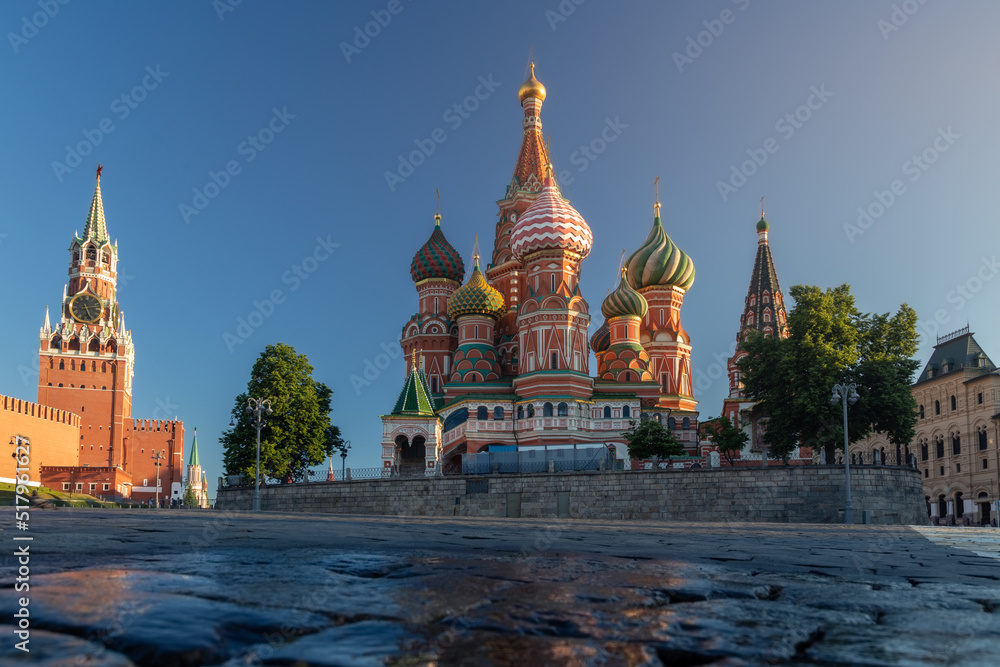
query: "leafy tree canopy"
649, 439
830, 341
729, 439
297, 435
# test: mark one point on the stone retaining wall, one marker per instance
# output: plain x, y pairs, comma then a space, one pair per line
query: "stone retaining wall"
787, 494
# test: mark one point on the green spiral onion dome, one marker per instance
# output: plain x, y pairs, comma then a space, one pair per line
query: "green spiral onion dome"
763, 225
624, 301
659, 263
601, 340
476, 297
437, 259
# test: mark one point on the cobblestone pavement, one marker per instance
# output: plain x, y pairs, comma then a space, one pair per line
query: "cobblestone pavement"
212, 588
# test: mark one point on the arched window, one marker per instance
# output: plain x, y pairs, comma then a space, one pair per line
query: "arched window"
956, 444
628, 376
767, 316
643, 417
607, 412
62, 366
531, 411
562, 410
555, 361
954, 403
924, 454
434, 385
482, 413
940, 447
547, 410
672, 424
105, 258
92, 253
498, 414
520, 412
663, 383
626, 412
937, 407
921, 411
982, 439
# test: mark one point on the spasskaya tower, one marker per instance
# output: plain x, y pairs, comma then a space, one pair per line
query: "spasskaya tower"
86, 360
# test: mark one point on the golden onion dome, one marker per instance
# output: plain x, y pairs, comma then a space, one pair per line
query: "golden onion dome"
476, 297
531, 88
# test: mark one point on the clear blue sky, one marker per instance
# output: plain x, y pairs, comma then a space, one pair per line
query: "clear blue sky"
886, 95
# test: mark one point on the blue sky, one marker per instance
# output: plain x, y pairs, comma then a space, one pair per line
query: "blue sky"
689, 92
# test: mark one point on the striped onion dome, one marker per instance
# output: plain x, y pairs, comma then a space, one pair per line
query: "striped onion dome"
437, 258
601, 340
659, 263
624, 301
476, 297
550, 223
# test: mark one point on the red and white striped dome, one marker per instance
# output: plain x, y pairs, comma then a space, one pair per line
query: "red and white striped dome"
550, 223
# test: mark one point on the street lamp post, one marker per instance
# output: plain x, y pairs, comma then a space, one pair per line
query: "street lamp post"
258, 407
157, 457
846, 393
343, 447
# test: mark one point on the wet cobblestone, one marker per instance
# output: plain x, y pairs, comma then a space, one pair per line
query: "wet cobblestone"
211, 588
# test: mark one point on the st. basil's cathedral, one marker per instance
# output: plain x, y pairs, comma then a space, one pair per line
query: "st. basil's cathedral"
502, 361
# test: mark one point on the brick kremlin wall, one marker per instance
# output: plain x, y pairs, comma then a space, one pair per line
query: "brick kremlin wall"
787, 494
54, 435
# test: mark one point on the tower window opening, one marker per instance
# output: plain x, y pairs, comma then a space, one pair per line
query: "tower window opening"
547, 410
607, 412
435, 305
555, 361
663, 383
562, 410
434, 385
498, 414
92, 253
626, 412
476, 335
62, 366
552, 282
937, 407
954, 403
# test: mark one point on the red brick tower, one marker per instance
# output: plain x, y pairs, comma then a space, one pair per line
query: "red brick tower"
437, 269
663, 273
505, 272
86, 367
551, 239
764, 311
86, 360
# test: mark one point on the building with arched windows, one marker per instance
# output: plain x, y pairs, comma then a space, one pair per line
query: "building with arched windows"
502, 361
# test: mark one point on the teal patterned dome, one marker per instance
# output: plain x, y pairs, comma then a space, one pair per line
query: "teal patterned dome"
624, 301
659, 263
437, 258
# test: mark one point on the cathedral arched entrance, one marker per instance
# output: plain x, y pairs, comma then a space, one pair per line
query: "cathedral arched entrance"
411, 455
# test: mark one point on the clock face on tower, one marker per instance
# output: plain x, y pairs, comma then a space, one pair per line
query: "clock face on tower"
86, 308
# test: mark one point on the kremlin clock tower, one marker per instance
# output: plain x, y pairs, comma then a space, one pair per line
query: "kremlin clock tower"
86, 366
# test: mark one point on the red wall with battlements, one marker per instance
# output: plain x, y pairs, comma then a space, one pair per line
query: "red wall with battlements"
53, 435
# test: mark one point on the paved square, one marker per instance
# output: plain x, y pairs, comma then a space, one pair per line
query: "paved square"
214, 588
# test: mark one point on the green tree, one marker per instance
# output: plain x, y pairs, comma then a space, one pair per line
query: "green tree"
297, 435
649, 439
830, 341
189, 498
729, 439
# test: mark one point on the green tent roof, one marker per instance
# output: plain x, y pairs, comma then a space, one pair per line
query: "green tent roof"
194, 460
415, 397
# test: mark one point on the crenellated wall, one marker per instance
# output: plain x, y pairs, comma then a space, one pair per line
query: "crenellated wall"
53, 435
788, 494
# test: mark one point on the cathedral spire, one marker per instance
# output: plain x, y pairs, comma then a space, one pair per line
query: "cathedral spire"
529, 172
46, 327
96, 228
765, 306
